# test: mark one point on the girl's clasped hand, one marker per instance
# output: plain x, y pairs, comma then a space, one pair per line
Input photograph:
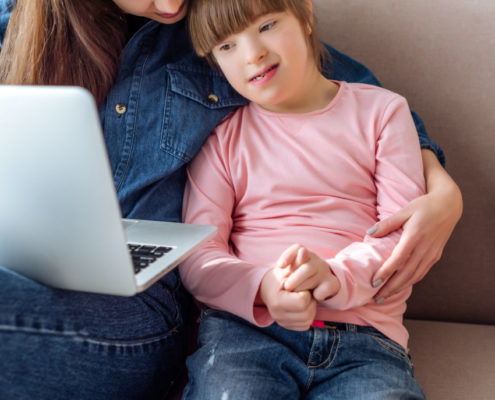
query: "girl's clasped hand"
293, 287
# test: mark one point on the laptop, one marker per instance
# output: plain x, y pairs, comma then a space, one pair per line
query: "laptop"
60, 221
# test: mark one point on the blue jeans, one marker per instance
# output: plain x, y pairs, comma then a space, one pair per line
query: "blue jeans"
237, 360
57, 344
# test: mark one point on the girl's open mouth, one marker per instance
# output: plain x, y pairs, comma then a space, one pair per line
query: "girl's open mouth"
268, 73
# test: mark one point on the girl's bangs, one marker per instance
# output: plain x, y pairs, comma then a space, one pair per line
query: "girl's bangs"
222, 18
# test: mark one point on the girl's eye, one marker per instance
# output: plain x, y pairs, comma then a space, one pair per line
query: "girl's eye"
225, 47
267, 26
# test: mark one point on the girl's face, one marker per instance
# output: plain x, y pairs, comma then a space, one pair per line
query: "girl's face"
271, 63
164, 11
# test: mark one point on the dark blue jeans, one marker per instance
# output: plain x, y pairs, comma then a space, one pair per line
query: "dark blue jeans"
57, 344
239, 361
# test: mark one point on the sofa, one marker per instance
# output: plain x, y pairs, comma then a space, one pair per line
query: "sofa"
440, 55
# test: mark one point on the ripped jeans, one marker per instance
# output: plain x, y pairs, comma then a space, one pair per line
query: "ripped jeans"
237, 360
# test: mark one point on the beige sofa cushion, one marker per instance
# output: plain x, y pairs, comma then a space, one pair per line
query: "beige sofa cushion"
453, 361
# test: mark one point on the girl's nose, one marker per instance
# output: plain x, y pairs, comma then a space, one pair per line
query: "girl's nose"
255, 52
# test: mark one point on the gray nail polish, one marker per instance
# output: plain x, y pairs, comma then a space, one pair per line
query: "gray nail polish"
372, 230
377, 283
380, 300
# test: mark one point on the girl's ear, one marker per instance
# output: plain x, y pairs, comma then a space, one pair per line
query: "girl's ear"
309, 4
309, 30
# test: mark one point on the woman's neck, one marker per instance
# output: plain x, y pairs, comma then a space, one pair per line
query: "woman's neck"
134, 23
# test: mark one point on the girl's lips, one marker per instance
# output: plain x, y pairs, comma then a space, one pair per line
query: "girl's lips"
264, 76
179, 11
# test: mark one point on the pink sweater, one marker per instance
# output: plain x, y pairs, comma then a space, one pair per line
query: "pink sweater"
320, 179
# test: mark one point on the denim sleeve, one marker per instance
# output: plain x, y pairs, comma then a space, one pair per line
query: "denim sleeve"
343, 68
6, 7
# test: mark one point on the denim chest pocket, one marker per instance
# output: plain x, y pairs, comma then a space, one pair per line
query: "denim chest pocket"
196, 101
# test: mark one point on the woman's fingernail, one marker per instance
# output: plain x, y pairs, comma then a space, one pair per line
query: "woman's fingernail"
377, 283
372, 230
380, 300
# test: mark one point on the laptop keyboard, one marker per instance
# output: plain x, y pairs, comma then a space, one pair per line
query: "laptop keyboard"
142, 255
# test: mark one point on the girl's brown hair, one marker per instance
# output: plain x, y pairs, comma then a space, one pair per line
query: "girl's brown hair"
64, 42
211, 21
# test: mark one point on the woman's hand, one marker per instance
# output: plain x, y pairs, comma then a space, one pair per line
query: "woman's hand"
427, 222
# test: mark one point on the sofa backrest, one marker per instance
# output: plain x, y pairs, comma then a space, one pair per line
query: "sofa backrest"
440, 55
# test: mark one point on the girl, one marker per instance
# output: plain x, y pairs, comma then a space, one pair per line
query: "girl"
136, 59
292, 181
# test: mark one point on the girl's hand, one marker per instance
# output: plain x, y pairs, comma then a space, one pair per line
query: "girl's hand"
308, 272
291, 310
428, 222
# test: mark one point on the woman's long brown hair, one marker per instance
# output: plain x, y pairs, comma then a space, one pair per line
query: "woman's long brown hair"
64, 42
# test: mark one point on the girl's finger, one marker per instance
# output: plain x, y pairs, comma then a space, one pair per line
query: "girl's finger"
303, 273
288, 256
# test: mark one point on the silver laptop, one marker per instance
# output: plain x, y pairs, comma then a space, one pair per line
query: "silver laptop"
60, 221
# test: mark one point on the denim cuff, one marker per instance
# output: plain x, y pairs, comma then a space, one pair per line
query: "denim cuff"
428, 144
425, 141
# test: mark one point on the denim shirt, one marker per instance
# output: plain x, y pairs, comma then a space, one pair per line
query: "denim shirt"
6, 7
163, 106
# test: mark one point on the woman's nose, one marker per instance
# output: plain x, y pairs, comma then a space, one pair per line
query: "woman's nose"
168, 6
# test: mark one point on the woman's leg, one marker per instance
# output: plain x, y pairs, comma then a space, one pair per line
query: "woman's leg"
58, 344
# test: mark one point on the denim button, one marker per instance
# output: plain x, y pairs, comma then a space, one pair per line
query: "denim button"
120, 108
213, 98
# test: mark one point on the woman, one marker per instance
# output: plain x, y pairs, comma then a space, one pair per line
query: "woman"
135, 57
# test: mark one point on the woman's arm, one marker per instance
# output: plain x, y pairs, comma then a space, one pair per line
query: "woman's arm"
427, 223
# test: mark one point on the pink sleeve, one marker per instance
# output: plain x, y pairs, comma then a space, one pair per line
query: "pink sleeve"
399, 178
213, 275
